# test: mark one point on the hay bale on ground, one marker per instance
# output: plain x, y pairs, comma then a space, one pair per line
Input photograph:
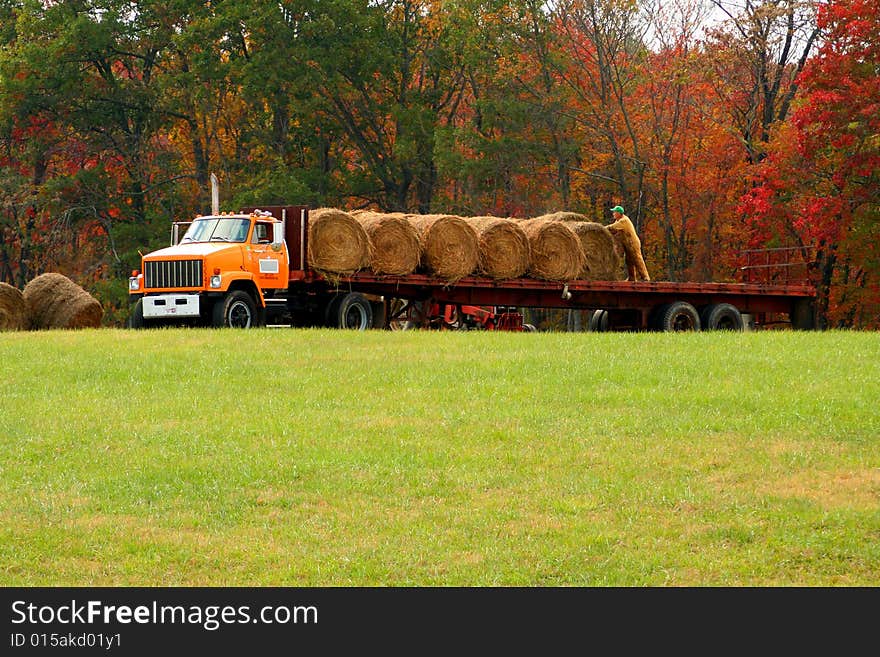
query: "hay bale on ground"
449, 245
394, 242
504, 250
55, 302
338, 243
13, 310
556, 250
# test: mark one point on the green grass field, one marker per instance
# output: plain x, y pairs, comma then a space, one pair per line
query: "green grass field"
327, 458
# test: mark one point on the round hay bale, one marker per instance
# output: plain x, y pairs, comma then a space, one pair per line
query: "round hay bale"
394, 242
504, 250
56, 302
13, 310
564, 216
449, 245
556, 250
602, 257
602, 261
337, 242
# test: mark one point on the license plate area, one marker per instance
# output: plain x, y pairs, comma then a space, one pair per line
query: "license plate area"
171, 305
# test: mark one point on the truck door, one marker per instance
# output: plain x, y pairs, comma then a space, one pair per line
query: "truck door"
268, 265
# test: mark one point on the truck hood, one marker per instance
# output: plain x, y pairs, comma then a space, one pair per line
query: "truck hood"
193, 250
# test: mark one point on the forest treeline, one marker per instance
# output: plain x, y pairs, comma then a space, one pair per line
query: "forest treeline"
719, 126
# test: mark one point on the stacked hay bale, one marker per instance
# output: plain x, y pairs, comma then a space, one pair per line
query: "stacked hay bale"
54, 301
556, 252
394, 242
13, 309
338, 244
449, 245
602, 258
504, 250
602, 261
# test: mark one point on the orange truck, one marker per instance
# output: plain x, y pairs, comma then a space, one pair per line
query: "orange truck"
220, 272
250, 268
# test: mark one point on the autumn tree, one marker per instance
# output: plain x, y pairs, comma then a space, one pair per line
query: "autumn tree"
759, 49
604, 42
819, 185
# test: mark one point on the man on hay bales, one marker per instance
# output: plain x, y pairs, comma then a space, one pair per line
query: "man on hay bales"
624, 230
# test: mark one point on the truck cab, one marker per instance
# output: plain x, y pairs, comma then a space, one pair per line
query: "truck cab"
219, 272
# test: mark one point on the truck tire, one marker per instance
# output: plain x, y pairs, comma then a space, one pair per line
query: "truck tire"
721, 317
235, 310
598, 321
350, 311
678, 316
136, 316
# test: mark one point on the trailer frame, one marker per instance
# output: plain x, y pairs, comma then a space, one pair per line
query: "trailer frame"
629, 305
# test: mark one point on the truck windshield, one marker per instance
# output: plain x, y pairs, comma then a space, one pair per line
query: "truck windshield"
218, 229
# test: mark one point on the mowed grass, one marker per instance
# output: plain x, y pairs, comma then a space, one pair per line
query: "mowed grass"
331, 458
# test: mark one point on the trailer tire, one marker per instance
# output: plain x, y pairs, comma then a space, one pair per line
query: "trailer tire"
351, 311
678, 316
529, 328
378, 314
598, 322
721, 317
235, 310
136, 316
331, 310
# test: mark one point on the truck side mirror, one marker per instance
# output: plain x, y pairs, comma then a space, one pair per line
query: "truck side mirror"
277, 235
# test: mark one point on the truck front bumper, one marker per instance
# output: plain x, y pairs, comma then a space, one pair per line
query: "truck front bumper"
171, 305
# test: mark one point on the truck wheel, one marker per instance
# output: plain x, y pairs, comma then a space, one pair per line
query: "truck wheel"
136, 316
721, 317
235, 310
598, 321
351, 311
679, 316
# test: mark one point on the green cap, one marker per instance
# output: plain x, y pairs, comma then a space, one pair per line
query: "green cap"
617, 208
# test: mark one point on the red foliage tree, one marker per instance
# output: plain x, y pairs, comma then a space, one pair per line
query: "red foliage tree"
820, 185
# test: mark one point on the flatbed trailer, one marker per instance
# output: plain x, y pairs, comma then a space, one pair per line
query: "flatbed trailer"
613, 305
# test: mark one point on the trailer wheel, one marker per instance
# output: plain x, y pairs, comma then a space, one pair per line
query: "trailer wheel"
721, 317
378, 308
136, 316
235, 310
598, 321
529, 328
679, 316
331, 312
351, 311
655, 317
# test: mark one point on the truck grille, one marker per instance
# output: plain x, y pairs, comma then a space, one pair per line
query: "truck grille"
172, 273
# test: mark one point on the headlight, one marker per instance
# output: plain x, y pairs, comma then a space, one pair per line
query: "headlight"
134, 283
215, 280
